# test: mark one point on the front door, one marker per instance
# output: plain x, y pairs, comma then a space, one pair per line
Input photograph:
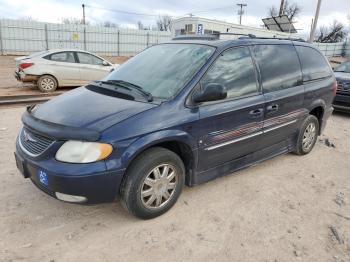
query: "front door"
91, 67
229, 129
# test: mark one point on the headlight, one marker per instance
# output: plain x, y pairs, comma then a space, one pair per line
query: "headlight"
83, 152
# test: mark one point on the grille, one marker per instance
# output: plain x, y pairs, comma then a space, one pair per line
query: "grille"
33, 143
343, 88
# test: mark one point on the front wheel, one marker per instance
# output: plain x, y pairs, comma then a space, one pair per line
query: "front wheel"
153, 183
307, 135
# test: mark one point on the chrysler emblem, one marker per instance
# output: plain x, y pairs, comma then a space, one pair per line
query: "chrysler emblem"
28, 137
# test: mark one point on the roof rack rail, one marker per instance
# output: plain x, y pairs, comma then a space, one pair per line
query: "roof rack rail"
216, 36
197, 37
277, 38
237, 34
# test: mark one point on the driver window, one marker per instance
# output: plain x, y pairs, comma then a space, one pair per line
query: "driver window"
234, 70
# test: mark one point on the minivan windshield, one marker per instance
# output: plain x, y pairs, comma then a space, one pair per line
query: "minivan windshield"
344, 67
163, 70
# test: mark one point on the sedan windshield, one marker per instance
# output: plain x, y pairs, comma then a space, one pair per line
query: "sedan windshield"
344, 67
163, 70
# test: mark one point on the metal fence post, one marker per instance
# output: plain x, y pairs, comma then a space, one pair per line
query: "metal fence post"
84, 38
118, 45
46, 38
147, 39
1, 43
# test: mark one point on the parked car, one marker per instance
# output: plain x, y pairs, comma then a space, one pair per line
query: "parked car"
342, 99
61, 67
183, 112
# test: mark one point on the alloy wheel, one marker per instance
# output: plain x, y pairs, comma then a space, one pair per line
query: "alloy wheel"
47, 84
159, 186
309, 136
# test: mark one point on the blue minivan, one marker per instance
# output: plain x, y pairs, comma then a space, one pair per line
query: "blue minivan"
182, 112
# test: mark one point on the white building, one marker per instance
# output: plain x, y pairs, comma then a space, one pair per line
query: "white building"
198, 25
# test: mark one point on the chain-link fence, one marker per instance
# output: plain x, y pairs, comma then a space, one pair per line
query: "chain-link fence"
23, 37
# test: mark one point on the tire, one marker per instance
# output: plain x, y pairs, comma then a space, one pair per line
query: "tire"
137, 192
47, 84
308, 134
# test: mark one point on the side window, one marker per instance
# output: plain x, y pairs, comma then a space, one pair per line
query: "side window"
313, 64
234, 70
279, 66
67, 57
85, 58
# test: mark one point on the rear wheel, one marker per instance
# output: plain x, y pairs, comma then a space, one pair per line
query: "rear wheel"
153, 183
47, 83
307, 135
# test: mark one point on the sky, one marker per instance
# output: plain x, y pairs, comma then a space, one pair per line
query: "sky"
55, 10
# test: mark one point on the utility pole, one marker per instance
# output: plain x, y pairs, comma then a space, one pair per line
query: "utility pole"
83, 6
282, 7
314, 26
241, 12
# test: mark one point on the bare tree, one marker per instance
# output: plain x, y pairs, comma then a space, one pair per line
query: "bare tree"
332, 34
109, 24
164, 23
291, 10
140, 26
73, 21
28, 18
272, 11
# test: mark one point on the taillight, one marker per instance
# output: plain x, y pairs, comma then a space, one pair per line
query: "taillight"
334, 87
25, 65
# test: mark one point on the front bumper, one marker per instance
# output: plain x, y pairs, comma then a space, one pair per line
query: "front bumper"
97, 185
342, 102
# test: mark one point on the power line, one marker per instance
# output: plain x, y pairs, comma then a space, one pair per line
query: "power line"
121, 11
153, 15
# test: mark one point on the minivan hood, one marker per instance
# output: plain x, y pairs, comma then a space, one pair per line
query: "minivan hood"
84, 108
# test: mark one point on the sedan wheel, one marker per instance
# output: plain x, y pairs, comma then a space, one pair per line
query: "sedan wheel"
47, 84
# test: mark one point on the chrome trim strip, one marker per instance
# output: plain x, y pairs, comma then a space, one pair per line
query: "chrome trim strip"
233, 141
26, 151
279, 126
249, 136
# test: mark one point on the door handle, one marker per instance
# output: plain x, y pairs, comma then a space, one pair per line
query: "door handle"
272, 108
256, 112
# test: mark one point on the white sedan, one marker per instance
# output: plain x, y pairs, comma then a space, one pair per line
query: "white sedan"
55, 68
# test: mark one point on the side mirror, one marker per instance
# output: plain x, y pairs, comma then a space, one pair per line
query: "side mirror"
211, 92
105, 63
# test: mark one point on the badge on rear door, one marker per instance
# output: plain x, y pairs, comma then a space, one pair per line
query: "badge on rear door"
43, 178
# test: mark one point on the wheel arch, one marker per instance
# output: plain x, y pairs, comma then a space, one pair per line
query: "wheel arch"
49, 74
179, 142
317, 109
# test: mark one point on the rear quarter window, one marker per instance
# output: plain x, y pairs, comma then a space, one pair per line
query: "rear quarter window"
313, 64
279, 66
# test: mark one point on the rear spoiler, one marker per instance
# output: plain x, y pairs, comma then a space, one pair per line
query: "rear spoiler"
57, 131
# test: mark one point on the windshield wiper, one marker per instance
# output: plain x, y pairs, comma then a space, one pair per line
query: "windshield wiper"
126, 84
112, 82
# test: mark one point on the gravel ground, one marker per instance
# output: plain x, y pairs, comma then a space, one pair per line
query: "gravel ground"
290, 208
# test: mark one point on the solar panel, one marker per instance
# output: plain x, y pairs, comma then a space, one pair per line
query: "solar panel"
279, 23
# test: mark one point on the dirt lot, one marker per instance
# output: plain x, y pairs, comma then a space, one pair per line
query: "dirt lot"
289, 208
